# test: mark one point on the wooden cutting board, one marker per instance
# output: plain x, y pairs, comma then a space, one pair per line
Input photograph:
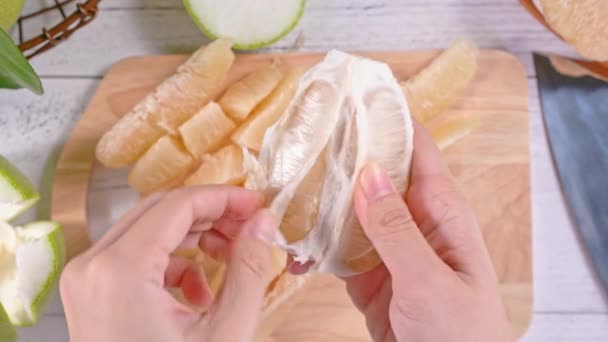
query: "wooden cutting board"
492, 165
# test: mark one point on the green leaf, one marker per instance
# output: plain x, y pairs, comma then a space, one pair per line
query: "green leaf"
15, 71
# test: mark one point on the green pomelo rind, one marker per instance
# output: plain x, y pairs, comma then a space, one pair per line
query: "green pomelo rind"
250, 46
26, 311
56, 243
7, 330
14, 184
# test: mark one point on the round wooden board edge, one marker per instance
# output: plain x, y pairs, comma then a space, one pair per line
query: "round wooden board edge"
75, 164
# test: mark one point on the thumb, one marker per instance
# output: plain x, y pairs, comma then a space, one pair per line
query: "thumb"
389, 225
235, 316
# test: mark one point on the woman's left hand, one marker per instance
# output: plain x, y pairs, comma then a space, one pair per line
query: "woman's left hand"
116, 290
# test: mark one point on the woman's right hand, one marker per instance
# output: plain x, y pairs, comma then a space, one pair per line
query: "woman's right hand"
436, 282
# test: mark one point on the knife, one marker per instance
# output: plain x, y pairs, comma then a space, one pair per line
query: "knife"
575, 112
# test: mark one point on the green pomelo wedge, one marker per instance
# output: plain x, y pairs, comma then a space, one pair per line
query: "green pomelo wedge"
249, 24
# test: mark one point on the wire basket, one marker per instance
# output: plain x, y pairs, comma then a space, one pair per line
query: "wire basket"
51, 37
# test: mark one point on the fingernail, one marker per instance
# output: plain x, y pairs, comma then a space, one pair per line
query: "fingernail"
375, 181
263, 227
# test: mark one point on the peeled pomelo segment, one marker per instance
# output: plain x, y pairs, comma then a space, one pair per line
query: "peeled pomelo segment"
215, 270
17, 194
241, 97
292, 145
449, 132
7, 330
166, 160
173, 101
301, 214
206, 130
212, 270
126, 141
37, 260
251, 132
223, 167
435, 87
353, 109
390, 140
280, 288
390, 144
580, 23
195, 83
250, 24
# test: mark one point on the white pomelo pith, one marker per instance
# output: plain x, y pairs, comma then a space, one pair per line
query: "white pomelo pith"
347, 111
249, 24
32, 257
17, 194
7, 246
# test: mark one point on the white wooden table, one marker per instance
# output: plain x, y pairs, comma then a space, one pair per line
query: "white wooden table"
568, 303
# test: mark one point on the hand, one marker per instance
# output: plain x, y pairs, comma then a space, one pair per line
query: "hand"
116, 290
436, 282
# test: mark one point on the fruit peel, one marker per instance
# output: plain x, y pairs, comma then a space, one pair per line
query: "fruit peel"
56, 243
17, 193
7, 330
38, 244
253, 46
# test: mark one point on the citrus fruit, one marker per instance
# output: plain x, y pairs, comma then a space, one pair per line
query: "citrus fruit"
581, 23
453, 130
240, 99
301, 215
9, 13
173, 102
251, 132
215, 270
206, 130
17, 194
250, 24
280, 288
434, 88
349, 111
212, 270
223, 167
126, 141
32, 257
166, 160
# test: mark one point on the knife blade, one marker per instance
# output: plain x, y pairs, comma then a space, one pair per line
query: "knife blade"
575, 112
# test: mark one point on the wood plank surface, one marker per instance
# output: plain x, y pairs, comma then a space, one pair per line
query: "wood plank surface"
126, 28
492, 165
